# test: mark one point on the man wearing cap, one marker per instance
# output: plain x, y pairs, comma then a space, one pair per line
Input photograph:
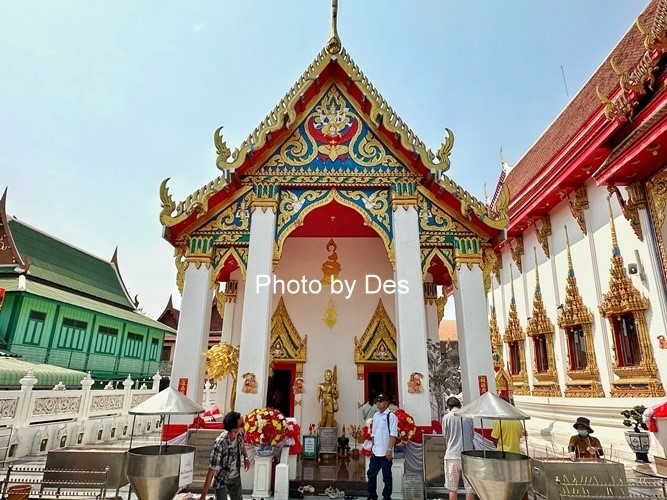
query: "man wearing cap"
582, 444
459, 434
384, 436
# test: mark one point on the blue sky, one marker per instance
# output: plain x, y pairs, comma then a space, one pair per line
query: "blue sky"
100, 101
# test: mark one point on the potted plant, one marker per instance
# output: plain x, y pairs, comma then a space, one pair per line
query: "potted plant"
638, 440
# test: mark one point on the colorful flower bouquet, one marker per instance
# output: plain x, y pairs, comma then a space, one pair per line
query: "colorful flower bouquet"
264, 426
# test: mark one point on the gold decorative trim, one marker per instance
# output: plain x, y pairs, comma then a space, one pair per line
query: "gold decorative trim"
445, 256
440, 306
489, 266
285, 344
496, 338
378, 343
656, 189
621, 299
540, 328
330, 314
430, 293
514, 333
517, 252
181, 265
222, 255
543, 234
631, 207
578, 206
574, 313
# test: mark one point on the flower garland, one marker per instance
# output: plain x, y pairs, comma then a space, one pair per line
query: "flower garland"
264, 426
293, 438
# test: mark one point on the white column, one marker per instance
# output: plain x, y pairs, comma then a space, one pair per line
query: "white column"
223, 390
256, 318
410, 314
431, 308
194, 325
472, 326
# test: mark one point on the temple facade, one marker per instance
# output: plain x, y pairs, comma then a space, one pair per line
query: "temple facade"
578, 310
325, 239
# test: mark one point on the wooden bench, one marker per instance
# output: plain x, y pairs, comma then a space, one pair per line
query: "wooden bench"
55, 483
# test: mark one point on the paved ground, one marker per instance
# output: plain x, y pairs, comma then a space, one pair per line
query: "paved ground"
39, 462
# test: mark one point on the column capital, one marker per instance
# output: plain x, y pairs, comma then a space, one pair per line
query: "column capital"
199, 251
265, 196
467, 250
404, 194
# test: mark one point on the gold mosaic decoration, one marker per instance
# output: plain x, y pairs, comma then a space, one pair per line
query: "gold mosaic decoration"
496, 339
540, 326
543, 234
285, 343
514, 333
446, 255
640, 380
578, 206
631, 207
583, 383
330, 314
378, 343
239, 254
634, 84
517, 252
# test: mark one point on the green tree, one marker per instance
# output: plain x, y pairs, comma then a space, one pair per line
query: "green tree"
444, 370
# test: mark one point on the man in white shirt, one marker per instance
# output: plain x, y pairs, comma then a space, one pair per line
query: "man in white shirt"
384, 436
459, 434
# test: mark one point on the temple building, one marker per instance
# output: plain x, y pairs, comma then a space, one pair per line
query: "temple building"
327, 235
67, 308
578, 310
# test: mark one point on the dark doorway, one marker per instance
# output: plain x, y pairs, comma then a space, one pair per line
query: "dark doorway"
279, 394
383, 380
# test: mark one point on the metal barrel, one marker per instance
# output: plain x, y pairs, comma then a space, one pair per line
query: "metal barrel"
153, 470
497, 475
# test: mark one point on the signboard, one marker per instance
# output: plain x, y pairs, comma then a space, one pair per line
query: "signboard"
309, 447
202, 440
413, 487
434, 446
329, 440
183, 386
186, 472
483, 383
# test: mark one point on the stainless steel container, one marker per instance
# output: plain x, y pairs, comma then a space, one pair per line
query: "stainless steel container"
580, 473
153, 470
497, 475
86, 458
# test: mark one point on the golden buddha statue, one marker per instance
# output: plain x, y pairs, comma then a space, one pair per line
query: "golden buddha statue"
327, 395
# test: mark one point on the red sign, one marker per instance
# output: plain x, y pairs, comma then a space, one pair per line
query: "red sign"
483, 384
183, 386
2, 296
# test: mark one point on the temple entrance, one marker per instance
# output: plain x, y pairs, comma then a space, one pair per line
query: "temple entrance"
279, 394
381, 380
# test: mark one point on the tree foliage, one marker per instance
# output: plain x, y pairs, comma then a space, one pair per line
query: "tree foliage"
444, 370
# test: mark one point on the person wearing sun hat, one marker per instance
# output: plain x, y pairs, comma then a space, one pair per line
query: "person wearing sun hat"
582, 444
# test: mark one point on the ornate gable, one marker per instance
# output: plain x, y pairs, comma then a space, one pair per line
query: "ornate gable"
285, 344
378, 343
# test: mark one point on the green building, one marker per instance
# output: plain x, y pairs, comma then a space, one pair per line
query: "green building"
65, 307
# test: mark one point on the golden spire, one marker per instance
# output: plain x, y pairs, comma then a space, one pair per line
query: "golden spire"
496, 339
539, 323
513, 330
570, 267
334, 45
537, 271
573, 312
615, 251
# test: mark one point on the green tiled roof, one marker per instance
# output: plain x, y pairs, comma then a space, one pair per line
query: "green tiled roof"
12, 370
57, 262
48, 292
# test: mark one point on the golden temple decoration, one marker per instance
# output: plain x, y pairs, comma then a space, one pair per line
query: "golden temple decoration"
334, 45
285, 343
517, 252
181, 266
220, 301
331, 268
578, 205
496, 339
514, 333
584, 383
622, 299
656, 189
541, 329
330, 314
378, 343
222, 360
444, 151
489, 266
630, 208
440, 306
284, 115
543, 234
468, 251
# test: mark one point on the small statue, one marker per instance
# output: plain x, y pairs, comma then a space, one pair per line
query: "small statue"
327, 395
343, 445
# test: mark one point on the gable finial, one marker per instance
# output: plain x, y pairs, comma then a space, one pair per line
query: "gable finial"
334, 45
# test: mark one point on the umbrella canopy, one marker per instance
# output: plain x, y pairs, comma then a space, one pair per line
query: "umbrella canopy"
167, 402
488, 405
